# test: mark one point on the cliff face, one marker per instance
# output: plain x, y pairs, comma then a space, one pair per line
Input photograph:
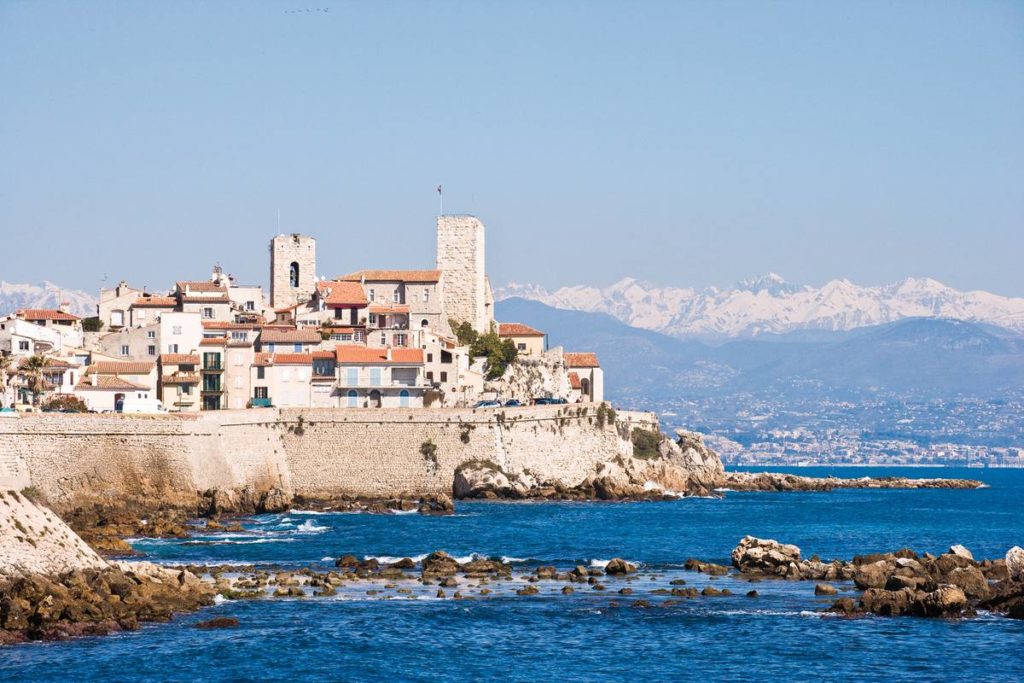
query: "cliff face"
36, 541
76, 459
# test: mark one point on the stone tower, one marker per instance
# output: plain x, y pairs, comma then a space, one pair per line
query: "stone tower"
292, 269
460, 257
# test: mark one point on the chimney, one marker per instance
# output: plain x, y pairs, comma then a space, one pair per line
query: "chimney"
64, 306
388, 353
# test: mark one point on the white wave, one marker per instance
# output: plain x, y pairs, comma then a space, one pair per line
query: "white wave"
467, 558
249, 542
391, 559
327, 559
308, 527
307, 512
404, 512
219, 599
507, 559
985, 486
723, 489
650, 486
599, 564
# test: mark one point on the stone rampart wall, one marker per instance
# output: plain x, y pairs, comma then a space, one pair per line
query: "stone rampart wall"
311, 451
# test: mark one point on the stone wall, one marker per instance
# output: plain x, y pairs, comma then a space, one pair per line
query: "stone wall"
460, 255
302, 450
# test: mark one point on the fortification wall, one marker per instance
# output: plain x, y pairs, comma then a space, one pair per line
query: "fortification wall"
309, 451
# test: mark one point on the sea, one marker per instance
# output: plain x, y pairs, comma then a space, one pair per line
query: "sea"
591, 635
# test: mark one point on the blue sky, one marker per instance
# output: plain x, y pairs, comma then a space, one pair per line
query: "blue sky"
686, 143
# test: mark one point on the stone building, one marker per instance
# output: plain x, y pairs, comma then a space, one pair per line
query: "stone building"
585, 375
528, 341
461, 257
292, 270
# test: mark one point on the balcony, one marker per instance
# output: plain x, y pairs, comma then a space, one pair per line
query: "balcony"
212, 367
261, 403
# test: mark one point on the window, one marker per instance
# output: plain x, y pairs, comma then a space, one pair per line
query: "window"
250, 305
176, 329
293, 275
375, 377
430, 358
239, 335
424, 323
353, 398
339, 313
397, 296
211, 361
172, 348
430, 377
151, 334
352, 377
261, 372
521, 346
353, 318
403, 398
186, 389
383, 338
117, 318
400, 340
151, 350
124, 349
359, 336
426, 296
22, 345
446, 357
261, 392
297, 348
370, 296
208, 312
444, 376
373, 318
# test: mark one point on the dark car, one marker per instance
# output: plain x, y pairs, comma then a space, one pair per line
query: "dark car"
513, 403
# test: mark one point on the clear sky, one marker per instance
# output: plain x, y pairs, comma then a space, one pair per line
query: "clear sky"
685, 143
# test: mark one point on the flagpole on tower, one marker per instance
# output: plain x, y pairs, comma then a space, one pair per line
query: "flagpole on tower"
440, 201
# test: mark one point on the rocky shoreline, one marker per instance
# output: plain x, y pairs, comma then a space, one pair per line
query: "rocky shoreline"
775, 481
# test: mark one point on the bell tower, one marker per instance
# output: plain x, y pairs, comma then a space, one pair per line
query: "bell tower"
292, 269
460, 258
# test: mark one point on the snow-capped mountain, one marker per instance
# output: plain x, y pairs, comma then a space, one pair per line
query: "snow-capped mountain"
770, 305
44, 295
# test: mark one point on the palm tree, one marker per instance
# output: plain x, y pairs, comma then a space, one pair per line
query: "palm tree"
31, 371
5, 364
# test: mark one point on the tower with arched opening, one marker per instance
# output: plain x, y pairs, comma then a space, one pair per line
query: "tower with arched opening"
292, 269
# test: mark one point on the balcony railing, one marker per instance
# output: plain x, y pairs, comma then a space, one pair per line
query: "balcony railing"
261, 403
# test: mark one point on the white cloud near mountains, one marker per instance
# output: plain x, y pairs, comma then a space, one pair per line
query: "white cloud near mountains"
770, 305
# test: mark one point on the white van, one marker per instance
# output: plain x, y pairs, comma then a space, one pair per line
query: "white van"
135, 404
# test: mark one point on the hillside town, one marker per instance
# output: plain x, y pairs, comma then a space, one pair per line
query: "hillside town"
367, 339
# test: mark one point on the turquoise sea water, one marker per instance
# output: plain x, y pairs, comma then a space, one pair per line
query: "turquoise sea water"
579, 637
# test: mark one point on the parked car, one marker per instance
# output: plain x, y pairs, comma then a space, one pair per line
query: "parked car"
487, 404
548, 401
513, 403
150, 406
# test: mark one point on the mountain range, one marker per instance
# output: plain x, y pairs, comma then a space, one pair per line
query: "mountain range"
769, 305
44, 294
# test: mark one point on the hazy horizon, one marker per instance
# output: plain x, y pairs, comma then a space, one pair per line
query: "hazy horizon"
684, 144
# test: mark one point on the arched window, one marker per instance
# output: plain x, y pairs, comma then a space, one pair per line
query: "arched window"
585, 387
353, 397
293, 275
424, 323
403, 398
375, 399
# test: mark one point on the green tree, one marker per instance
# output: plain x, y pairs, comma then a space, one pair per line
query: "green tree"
31, 372
5, 365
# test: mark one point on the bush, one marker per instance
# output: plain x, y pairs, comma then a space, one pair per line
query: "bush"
428, 449
500, 352
645, 443
66, 403
93, 324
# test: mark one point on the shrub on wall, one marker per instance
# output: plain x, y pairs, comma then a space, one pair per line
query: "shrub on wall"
645, 443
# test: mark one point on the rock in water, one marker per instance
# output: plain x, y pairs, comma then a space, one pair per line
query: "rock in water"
825, 589
1015, 563
961, 551
619, 566
764, 556
218, 622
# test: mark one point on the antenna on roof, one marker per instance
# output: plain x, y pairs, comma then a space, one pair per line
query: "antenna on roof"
440, 201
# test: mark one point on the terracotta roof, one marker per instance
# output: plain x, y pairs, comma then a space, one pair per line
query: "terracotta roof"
45, 314
224, 325
323, 355
51, 364
341, 293
394, 276
219, 299
201, 286
581, 360
180, 378
268, 359
294, 336
574, 381
179, 358
352, 354
108, 383
155, 302
213, 341
517, 330
107, 367
389, 308
262, 359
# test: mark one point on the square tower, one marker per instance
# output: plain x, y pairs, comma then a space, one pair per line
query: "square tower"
292, 270
460, 257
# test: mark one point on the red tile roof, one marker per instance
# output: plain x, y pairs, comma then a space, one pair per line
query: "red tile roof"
581, 360
179, 358
201, 286
341, 293
155, 302
517, 330
224, 325
262, 359
109, 383
574, 381
268, 359
323, 355
45, 314
105, 367
180, 378
394, 276
213, 341
293, 336
389, 308
351, 354
219, 299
